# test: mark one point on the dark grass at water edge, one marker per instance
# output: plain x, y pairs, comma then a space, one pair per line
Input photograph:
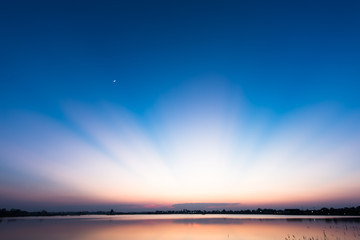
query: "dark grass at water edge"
352, 211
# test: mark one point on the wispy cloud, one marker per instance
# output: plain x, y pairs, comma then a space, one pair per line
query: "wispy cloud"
206, 206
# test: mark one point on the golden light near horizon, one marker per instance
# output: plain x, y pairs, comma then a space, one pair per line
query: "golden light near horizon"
202, 152
159, 105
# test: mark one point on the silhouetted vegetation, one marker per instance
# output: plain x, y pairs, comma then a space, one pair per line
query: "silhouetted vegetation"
353, 211
21, 213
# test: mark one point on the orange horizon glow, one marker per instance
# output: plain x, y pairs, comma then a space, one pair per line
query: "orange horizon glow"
195, 154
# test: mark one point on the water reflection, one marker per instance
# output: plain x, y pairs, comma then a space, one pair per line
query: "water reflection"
174, 227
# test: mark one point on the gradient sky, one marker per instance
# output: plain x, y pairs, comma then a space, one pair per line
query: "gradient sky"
216, 104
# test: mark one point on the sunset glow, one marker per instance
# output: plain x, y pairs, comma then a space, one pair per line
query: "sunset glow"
215, 116
192, 155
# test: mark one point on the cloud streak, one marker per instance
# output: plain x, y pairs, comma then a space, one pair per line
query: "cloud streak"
206, 206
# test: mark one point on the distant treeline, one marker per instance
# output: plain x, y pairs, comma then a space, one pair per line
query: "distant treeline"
352, 211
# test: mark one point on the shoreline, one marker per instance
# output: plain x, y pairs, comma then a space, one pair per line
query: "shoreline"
323, 212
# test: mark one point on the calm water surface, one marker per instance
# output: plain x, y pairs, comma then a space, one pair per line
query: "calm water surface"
196, 227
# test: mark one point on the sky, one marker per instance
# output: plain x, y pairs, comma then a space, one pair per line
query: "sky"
160, 105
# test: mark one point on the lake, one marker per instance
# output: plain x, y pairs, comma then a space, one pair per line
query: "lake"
180, 227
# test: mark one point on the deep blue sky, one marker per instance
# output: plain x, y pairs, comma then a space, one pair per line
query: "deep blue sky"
257, 87
281, 53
